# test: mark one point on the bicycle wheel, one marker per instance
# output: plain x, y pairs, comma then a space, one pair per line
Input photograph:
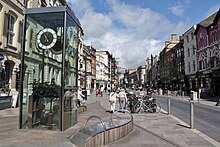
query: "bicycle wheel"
157, 107
137, 106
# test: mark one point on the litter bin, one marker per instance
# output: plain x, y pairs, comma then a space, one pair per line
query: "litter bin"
194, 95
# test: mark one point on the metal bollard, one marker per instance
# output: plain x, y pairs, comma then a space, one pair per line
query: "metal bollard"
182, 95
168, 106
199, 98
191, 115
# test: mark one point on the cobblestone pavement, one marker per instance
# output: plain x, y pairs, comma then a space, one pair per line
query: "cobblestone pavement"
150, 130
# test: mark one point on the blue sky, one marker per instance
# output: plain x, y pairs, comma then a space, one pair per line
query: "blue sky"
134, 29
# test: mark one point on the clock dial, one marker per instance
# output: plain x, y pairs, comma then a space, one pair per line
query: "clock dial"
46, 38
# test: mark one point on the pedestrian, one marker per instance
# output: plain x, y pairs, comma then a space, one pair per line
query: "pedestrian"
102, 90
81, 97
122, 100
112, 100
97, 92
203, 91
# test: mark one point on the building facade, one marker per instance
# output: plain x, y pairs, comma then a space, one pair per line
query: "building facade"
177, 68
208, 53
190, 58
11, 31
103, 68
166, 62
93, 68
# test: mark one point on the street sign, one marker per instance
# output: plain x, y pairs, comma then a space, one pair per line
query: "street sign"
1, 57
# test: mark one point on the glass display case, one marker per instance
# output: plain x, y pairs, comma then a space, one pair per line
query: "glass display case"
49, 69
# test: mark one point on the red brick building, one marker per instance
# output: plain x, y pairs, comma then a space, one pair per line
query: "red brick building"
208, 53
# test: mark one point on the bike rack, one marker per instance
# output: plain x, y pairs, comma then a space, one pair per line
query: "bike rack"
126, 112
103, 125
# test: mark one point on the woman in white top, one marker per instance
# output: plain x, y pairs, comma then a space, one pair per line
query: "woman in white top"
112, 99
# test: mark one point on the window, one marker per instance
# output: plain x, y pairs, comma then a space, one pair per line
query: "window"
187, 38
201, 42
189, 67
179, 67
194, 50
194, 65
10, 30
215, 36
31, 38
20, 32
188, 52
192, 36
43, 3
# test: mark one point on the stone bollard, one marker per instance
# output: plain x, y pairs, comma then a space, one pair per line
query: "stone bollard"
191, 115
198, 97
168, 106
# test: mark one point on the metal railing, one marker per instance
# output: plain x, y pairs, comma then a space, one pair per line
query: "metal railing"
103, 125
124, 111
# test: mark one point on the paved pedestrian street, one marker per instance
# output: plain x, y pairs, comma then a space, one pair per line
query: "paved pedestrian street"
149, 130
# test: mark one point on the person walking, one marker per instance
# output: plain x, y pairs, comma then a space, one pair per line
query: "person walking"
80, 97
122, 100
112, 100
97, 92
102, 90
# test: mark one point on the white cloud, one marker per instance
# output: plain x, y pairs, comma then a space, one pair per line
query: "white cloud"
178, 9
136, 38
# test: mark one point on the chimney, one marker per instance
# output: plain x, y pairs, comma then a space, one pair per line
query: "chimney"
173, 37
166, 43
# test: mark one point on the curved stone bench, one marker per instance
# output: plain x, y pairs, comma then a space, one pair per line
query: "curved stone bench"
103, 133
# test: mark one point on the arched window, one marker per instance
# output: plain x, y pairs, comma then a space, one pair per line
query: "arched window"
202, 61
215, 57
213, 36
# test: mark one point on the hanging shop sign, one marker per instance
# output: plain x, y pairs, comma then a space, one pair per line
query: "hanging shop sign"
1, 57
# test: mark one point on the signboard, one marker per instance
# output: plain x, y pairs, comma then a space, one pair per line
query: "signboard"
5, 102
14, 98
1, 57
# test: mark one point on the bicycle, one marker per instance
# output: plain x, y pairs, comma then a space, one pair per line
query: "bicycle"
147, 104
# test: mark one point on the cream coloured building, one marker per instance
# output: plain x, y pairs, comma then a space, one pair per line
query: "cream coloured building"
11, 26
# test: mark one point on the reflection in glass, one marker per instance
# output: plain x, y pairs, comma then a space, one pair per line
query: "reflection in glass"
50, 70
70, 68
43, 65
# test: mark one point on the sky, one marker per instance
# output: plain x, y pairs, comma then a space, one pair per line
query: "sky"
132, 30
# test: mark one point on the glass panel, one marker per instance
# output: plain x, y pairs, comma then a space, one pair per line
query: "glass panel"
70, 71
42, 71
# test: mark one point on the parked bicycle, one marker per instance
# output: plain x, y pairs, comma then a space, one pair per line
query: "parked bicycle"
147, 104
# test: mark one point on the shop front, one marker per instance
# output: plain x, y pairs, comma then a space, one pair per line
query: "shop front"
49, 69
